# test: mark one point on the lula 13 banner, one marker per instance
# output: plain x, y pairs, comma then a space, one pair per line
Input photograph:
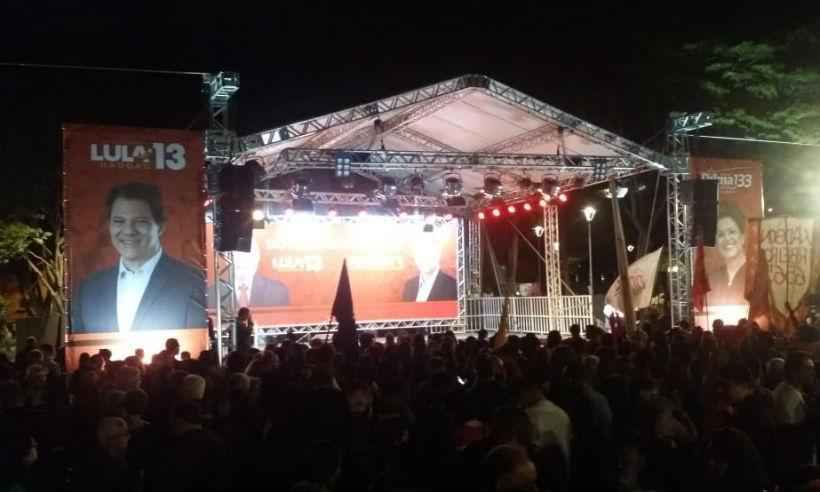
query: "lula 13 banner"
134, 222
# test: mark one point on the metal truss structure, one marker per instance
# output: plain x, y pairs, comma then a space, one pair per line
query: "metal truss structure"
679, 221
414, 104
474, 258
680, 252
552, 267
219, 140
350, 134
360, 199
461, 272
426, 325
219, 147
565, 167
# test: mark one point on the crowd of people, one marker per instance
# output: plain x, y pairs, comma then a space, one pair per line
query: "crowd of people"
658, 409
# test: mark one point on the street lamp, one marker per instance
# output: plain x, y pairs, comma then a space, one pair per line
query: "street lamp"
589, 214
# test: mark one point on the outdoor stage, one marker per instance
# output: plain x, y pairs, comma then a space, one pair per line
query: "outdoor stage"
460, 149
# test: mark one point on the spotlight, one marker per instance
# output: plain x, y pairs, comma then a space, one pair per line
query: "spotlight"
389, 187
563, 198
448, 217
300, 187
342, 165
363, 213
288, 212
620, 192
630, 248
452, 186
258, 215
417, 185
538, 230
492, 186
511, 209
543, 203
496, 212
403, 214
332, 213
525, 184
481, 216
549, 186
527, 207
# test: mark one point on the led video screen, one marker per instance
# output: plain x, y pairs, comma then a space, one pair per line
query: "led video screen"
398, 268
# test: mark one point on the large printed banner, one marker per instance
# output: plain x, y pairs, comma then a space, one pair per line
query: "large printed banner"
134, 235
789, 247
398, 268
740, 195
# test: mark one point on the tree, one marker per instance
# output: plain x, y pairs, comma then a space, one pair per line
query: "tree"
763, 89
42, 252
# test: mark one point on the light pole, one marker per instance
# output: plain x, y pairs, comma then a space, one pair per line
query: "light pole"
589, 214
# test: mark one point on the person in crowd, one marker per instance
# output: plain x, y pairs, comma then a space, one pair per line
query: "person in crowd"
244, 329
790, 396
146, 289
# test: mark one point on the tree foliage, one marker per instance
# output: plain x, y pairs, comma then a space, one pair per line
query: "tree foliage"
43, 253
764, 89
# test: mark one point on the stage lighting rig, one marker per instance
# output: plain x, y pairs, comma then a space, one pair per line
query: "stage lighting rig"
452, 186
620, 192
343, 161
492, 186
416, 184
300, 187
549, 186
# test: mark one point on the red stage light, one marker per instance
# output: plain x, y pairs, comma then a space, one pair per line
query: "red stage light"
542, 203
511, 209
331, 213
527, 207
481, 216
496, 212
562, 198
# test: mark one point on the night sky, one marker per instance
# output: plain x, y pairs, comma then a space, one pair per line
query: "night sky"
617, 67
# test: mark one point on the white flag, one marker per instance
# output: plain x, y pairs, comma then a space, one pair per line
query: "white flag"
642, 280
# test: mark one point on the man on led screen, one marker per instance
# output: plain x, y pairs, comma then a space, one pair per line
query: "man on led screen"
431, 284
252, 288
146, 289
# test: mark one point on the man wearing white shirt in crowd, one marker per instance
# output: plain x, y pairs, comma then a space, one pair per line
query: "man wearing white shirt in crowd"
789, 395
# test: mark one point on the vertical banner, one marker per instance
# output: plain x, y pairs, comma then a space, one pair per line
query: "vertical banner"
135, 239
788, 246
740, 197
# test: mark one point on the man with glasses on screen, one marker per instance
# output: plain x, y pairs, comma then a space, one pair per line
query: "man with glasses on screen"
431, 284
146, 289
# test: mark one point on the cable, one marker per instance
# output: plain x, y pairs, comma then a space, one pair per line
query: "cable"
107, 69
756, 140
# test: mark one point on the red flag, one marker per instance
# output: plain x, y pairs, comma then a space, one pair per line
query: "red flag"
757, 272
700, 283
343, 304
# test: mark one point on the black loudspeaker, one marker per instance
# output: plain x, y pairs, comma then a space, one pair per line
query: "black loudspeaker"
236, 204
705, 210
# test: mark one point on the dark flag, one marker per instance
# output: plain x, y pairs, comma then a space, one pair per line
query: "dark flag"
343, 304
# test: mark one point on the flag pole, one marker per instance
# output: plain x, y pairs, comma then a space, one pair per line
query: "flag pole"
623, 265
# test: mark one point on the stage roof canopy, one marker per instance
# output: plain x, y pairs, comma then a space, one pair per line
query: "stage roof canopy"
470, 125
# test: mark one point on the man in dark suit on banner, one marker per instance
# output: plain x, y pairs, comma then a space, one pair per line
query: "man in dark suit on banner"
147, 289
251, 287
431, 284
